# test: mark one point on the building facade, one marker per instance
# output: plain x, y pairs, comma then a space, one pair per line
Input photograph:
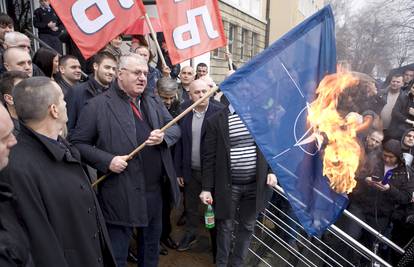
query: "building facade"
284, 15
245, 26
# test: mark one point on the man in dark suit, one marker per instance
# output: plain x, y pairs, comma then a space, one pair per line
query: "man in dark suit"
113, 124
48, 24
237, 177
104, 72
188, 157
53, 194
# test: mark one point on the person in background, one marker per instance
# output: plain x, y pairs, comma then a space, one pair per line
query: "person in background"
8, 81
201, 70
186, 77
48, 24
114, 47
47, 60
6, 25
69, 74
105, 67
153, 73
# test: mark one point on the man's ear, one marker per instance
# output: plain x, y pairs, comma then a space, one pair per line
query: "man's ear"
54, 112
6, 66
95, 66
8, 99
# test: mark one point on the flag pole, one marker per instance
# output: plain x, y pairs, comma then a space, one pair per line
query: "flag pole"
154, 37
229, 60
163, 129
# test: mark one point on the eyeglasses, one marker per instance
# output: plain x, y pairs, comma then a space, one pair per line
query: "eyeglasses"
137, 73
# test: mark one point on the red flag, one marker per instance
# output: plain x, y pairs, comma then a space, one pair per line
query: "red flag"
141, 26
191, 27
93, 23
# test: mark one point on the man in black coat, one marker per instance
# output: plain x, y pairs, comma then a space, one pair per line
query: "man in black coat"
104, 67
188, 158
57, 203
113, 124
402, 114
14, 243
69, 73
48, 25
235, 175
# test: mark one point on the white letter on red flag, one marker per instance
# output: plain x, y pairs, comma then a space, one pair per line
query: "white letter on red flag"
93, 23
191, 28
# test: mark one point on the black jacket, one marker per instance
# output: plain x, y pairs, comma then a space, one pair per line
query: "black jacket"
78, 96
399, 114
216, 167
41, 17
106, 128
64, 85
58, 206
14, 242
182, 158
390, 202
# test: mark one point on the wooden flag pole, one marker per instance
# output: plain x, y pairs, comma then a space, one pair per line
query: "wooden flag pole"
163, 129
230, 61
154, 37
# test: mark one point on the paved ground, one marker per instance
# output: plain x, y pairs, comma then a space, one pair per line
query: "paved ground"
200, 254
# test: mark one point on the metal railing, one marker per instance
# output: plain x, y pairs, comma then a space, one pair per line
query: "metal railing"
285, 243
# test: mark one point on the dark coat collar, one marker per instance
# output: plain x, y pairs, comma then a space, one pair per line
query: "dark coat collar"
94, 87
58, 150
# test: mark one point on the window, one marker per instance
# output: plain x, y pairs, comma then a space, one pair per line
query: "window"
215, 52
232, 34
254, 44
243, 44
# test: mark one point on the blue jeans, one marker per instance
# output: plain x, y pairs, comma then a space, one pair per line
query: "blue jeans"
148, 237
243, 202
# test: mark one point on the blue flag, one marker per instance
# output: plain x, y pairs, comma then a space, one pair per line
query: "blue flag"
271, 93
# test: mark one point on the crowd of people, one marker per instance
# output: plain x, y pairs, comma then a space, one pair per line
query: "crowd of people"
60, 130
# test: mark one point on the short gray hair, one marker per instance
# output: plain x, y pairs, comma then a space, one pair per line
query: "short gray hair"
32, 98
166, 85
126, 59
11, 38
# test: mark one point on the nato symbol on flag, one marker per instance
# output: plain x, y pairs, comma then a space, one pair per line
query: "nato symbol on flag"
271, 94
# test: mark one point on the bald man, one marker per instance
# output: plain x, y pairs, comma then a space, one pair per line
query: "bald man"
45, 173
188, 158
19, 40
14, 244
16, 58
186, 76
7, 139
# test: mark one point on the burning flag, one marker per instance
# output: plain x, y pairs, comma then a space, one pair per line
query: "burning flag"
342, 152
273, 94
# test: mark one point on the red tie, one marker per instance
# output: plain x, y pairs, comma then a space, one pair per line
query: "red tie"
136, 110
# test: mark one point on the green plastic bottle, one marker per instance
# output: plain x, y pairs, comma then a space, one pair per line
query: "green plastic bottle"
209, 217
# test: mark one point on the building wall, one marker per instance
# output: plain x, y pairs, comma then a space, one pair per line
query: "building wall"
249, 26
284, 15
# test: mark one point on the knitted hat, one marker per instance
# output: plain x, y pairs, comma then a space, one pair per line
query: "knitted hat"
393, 146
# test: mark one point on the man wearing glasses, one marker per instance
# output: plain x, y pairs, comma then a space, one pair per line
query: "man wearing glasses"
110, 126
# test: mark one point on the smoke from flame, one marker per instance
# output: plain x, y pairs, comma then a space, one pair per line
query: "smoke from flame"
342, 151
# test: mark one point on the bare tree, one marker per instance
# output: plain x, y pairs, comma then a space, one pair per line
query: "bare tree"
377, 37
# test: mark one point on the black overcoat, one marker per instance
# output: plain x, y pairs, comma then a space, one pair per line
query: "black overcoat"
217, 172
106, 128
58, 207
